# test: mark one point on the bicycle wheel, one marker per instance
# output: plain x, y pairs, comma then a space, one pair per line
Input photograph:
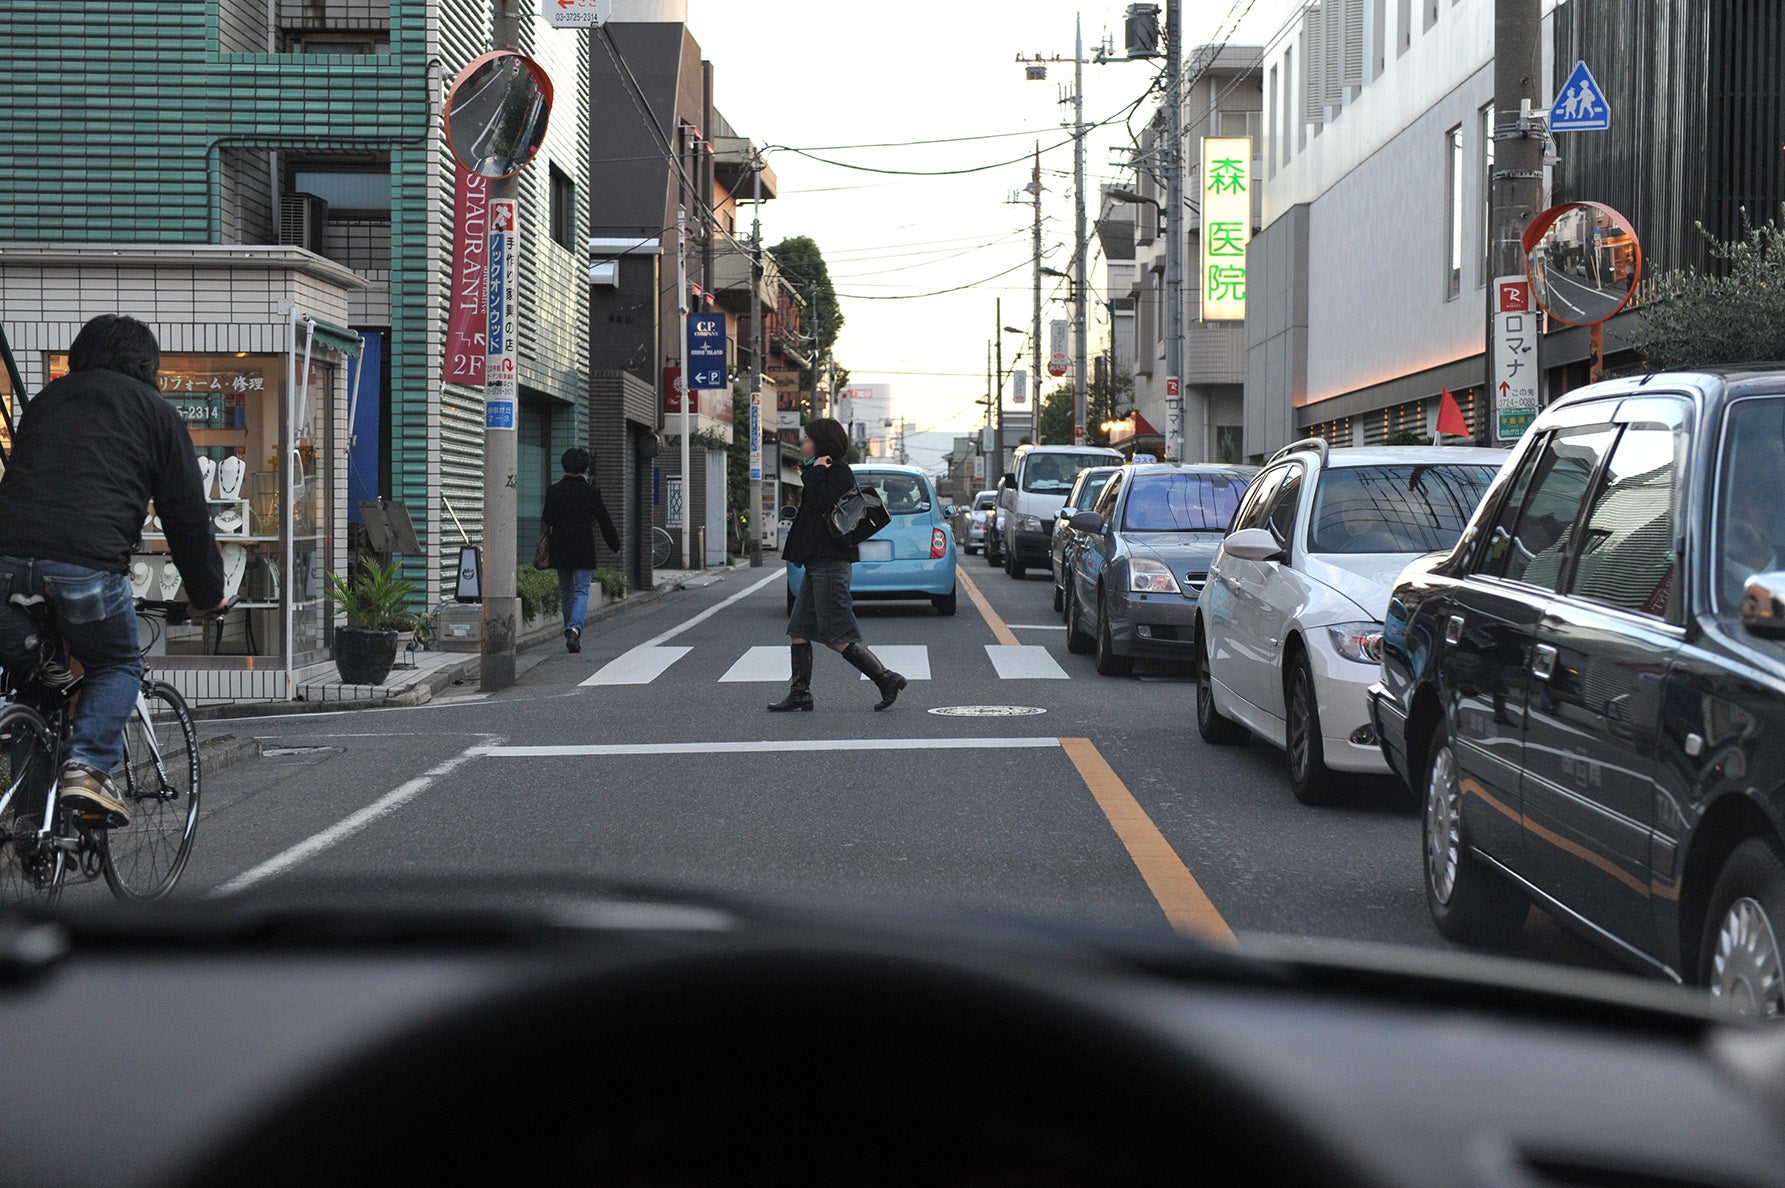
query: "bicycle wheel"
159, 780
662, 545
31, 873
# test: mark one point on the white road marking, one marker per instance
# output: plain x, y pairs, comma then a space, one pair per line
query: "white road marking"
1024, 662
646, 662
765, 663
582, 750
908, 660
639, 666
1036, 626
345, 828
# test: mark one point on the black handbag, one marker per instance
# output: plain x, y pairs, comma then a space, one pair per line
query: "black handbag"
857, 515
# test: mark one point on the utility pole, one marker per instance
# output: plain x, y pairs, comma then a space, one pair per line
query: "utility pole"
994, 417
501, 463
998, 376
1173, 230
756, 337
1079, 329
687, 392
1035, 301
1515, 192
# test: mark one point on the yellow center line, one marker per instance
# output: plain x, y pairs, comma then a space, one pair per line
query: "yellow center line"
1003, 634
1180, 896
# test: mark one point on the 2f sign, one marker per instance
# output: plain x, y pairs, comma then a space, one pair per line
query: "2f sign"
578, 14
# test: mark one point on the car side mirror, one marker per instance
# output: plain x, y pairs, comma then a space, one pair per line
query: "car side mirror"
790, 511
1763, 605
1254, 544
1087, 522
1008, 481
948, 513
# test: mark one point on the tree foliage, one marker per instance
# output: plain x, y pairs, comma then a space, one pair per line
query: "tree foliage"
1101, 400
801, 262
1733, 315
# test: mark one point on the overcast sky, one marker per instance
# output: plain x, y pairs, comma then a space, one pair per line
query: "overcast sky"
814, 73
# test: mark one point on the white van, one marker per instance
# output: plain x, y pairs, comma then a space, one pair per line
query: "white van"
1033, 493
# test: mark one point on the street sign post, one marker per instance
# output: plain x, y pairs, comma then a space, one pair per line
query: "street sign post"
1514, 380
578, 14
706, 351
1580, 104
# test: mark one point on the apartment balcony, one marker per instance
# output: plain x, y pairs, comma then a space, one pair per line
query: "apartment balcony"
731, 168
731, 280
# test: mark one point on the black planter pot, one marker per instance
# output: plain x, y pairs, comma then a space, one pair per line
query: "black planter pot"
364, 657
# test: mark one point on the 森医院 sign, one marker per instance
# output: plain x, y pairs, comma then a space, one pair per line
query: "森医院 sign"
1226, 226
499, 377
1513, 384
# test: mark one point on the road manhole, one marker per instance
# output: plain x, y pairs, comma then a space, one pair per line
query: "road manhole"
987, 711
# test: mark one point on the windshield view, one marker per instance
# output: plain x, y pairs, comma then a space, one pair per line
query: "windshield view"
1022, 593
1394, 509
1053, 473
1182, 503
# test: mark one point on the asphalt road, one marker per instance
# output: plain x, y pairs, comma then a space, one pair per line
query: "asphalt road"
1104, 807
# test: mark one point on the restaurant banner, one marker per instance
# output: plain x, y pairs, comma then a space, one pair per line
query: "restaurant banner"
467, 319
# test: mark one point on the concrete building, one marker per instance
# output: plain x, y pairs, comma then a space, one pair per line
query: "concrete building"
268, 184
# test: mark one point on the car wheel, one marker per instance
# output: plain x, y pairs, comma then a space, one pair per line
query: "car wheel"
1078, 641
1108, 662
1742, 960
1469, 901
1059, 599
1012, 565
945, 603
1215, 728
1309, 777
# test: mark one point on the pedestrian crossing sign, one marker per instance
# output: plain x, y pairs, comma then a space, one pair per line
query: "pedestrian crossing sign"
1580, 104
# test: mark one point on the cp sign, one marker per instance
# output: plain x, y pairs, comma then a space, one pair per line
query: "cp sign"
1226, 226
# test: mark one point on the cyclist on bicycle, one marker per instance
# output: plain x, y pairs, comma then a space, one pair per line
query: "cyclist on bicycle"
91, 451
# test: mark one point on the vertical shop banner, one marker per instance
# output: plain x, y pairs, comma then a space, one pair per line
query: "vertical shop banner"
756, 435
1226, 225
1513, 384
466, 331
1019, 386
499, 377
1056, 350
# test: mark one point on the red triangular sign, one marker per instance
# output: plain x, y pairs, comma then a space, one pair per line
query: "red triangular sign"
1450, 416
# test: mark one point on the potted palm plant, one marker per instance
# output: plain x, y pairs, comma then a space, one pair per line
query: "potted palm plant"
376, 603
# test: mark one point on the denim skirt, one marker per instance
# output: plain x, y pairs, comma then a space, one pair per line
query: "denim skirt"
823, 611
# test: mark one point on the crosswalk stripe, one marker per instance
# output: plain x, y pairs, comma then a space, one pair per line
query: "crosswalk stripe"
911, 661
768, 663
1016, 662
640, 666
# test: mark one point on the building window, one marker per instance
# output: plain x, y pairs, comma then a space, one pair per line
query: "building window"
1232, 123
1453, 212
1404, 28
1378, 38
337, 43
1487, 191
563, 209
357, 191
1301, 136
1431, 13
1270, 150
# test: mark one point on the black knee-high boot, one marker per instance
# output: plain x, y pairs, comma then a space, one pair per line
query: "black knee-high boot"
887, 681
799, 694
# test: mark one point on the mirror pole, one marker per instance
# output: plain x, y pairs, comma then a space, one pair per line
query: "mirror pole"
501, 505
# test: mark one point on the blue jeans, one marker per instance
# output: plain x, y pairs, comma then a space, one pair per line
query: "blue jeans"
573, 596
96, 616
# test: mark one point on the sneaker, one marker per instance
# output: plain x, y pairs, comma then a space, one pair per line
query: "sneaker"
573, 639
94, 797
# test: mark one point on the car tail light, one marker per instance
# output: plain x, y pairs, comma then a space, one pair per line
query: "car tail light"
938, 544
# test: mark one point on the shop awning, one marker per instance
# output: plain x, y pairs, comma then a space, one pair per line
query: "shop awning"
336, 338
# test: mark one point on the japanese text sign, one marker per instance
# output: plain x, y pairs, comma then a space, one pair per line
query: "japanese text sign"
1226, 226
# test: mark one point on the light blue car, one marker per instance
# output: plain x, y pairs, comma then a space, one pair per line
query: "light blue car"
912, 557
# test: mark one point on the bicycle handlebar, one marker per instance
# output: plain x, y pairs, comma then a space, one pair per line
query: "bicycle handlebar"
182, 612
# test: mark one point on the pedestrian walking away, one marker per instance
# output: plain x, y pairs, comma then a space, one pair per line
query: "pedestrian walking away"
573, 511
97, 446
822, 610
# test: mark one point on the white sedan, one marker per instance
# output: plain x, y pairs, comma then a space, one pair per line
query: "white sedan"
1289, 624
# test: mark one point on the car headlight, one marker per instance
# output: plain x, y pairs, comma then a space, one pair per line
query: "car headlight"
1029, 524
1361, 642
1150, 577
1000, 521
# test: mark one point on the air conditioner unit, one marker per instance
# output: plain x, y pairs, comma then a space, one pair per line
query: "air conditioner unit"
302, 221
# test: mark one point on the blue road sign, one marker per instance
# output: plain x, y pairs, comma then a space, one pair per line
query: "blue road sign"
706, 351
1580, 104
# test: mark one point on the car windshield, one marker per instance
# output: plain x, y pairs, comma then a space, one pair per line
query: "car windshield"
903, 494
1182, 502
1052, 473
1412, 508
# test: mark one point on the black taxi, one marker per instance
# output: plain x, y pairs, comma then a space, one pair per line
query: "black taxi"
1588, 692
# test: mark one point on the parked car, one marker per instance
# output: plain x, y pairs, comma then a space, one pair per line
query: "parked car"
970, 521
1290, 623
913, 556
1141, 562
1030, 494
1588, 691
1083, 497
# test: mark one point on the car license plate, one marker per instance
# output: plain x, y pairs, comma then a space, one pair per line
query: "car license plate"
876, 550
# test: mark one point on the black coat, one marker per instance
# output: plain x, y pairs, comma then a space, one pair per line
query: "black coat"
92, 450
573, 508
810, 537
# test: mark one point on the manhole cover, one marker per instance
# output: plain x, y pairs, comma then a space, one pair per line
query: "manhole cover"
987, 711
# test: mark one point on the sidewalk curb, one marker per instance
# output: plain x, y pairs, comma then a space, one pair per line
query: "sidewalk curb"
424, 689
225, 751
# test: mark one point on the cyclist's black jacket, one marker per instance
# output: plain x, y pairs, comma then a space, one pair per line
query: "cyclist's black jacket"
92, 450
